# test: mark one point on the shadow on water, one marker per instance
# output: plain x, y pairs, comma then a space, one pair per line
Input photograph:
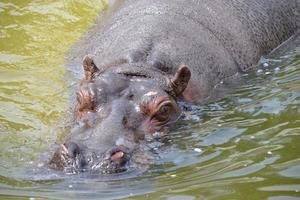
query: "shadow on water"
244, 145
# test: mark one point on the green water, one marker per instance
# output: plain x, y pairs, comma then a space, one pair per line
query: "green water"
245, 146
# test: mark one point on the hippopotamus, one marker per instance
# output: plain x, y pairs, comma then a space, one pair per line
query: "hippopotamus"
146, 56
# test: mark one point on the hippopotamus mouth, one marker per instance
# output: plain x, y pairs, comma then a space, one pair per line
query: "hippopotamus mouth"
116, 108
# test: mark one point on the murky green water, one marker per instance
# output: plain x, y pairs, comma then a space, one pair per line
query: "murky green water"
245, 146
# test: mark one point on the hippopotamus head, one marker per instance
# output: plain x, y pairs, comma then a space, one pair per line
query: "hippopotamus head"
116, 107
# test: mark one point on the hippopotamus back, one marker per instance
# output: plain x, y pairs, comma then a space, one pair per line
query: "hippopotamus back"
215, 38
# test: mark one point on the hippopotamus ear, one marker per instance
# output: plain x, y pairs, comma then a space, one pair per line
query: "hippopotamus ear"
180, 80
90, 69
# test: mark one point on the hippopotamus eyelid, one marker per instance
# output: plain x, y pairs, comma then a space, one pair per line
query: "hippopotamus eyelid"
165, 108
163, 112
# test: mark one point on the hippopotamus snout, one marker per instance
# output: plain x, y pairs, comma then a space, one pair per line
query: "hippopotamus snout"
71, 158
100, 147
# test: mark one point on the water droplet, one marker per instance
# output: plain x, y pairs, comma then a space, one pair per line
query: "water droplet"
195, 117
277, 69
198, 150
260, 71
266, 65
157, 134
267, 73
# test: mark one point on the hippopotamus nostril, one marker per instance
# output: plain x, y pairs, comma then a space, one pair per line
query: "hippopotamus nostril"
69, 158
117, 156
71, 149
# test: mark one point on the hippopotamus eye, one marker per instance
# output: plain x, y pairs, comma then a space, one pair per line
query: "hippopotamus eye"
164, 112
165, 109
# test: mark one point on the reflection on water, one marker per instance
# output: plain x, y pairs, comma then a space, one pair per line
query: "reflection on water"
245, 145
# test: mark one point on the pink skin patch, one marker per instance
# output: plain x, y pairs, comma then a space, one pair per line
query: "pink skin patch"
117, 155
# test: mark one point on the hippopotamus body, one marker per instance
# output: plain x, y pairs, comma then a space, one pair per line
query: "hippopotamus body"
149, 54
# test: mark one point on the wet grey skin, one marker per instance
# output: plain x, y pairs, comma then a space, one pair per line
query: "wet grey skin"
146, 56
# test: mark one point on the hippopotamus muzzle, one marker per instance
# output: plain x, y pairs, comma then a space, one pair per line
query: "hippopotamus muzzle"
71, 159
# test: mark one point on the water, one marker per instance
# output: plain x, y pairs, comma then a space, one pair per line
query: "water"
245, 146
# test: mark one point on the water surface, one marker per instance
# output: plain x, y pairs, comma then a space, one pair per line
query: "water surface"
245, 146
